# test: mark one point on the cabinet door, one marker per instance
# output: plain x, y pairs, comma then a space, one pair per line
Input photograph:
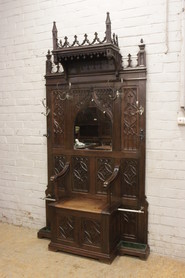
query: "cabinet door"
65, 229
91, 233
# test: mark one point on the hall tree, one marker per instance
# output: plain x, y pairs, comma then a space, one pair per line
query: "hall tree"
95, 107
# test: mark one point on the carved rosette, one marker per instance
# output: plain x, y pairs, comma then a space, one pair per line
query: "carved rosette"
81, 174
66, 228
129, 177
130, 119
91, 232
105, 168
129, 226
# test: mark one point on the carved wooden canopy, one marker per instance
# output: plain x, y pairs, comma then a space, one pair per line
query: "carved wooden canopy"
88, 57
74, 56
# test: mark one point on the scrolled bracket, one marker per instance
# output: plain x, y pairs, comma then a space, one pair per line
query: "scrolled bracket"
58, 176
107, 184
110, 181
62, 173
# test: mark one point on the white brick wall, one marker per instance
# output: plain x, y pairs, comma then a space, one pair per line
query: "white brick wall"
25, 31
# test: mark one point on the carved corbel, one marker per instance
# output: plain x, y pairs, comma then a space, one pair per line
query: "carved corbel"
116, 59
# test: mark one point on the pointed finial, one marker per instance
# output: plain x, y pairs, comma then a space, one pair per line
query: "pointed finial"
108, 18
48, 55
48, 63
141, 54
55, 37
54, 30
129, 60
142, 45
108, 28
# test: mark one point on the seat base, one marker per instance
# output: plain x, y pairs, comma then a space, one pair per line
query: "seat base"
85, 227
105, 258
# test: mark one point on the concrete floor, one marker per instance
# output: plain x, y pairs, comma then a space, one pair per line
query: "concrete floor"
23, 255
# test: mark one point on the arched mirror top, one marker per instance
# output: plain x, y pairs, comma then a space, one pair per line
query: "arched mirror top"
92, 130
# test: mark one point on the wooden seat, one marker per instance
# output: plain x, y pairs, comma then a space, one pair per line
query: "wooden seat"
83, 225
82, 204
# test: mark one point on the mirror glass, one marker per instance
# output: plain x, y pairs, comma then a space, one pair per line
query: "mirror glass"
93, 130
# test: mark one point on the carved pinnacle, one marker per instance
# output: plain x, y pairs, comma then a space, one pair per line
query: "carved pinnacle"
142, 54
54, 30
108, 28
55, 36
108, 18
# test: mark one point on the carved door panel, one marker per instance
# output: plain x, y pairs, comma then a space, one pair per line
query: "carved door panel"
132, 144
58, 108
104, 169
80, 174
133, 163
130, 186
129, 226
66, 228
133, 226
77, 229
130, 119
91, 233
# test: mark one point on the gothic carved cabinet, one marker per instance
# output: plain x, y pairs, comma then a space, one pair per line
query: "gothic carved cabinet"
95, 198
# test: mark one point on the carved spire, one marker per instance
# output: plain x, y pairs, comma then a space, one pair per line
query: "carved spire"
108, 28
55, 36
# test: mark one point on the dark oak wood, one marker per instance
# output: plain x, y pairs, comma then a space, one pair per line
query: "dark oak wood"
96, 149
62, 173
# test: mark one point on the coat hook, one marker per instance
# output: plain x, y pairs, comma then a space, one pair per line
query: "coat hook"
140, 108
65, 93
115, 92
47, 108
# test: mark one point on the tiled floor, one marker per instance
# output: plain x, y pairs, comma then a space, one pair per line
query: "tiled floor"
23, 255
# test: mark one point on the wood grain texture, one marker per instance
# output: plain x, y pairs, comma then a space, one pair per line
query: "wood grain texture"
96, 101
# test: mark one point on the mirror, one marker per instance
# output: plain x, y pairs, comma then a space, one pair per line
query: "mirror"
92, 130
